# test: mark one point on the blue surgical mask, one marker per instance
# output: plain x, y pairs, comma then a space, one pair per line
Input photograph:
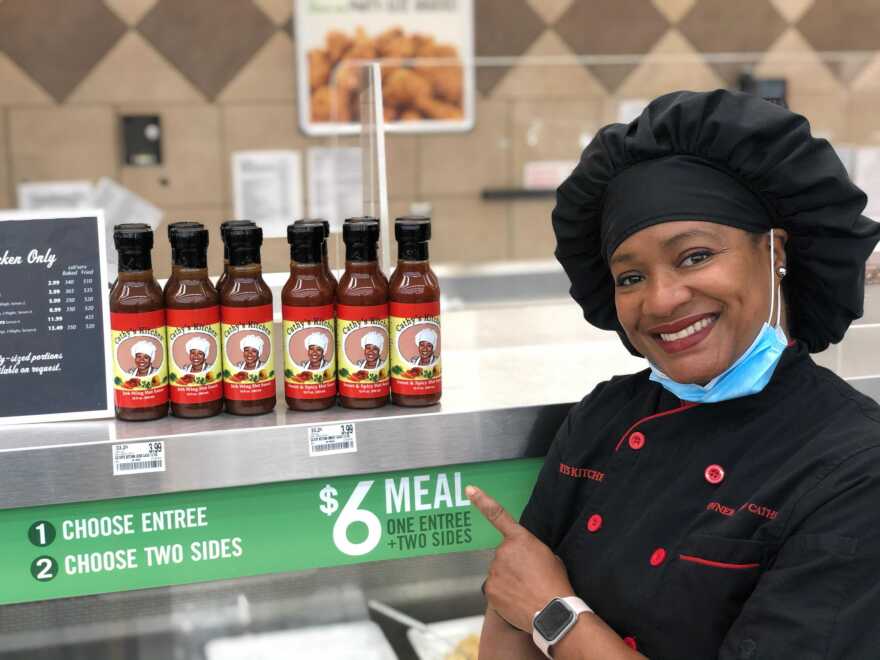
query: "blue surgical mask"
750, 373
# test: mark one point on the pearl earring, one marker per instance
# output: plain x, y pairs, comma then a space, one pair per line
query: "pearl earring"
781, 271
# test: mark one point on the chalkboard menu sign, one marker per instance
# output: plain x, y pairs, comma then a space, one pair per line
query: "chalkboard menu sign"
54, 317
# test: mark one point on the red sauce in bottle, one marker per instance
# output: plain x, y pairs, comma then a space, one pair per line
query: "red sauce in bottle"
414, 317
309, 328
137, 323
195, 365
362, 320
246, 327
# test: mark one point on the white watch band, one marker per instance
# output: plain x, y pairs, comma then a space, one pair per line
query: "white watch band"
576, 606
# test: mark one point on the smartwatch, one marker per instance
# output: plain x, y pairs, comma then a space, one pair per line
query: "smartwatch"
553, 622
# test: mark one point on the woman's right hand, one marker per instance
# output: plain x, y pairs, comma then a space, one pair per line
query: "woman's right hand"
501, 641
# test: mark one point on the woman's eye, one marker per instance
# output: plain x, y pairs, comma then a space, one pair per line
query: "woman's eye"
695, 258
628, 279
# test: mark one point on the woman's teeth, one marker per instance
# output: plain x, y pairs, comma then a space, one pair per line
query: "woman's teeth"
688, 331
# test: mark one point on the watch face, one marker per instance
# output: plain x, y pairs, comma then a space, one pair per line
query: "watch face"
553, 619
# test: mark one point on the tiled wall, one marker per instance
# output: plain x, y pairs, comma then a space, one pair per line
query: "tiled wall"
221, 75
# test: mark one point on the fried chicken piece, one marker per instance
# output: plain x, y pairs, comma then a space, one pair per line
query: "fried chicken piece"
399, 49
319, 69
389, 35
390, 112
411, 115
404, 87
338, 44
347, 77
330, 104
445, 77
433, 109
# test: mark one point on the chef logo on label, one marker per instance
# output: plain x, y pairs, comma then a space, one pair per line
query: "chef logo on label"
312, 348
367, 347
249, 349
419, 344
194, 352
140, 356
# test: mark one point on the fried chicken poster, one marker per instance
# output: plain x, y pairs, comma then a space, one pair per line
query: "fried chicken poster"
425, 48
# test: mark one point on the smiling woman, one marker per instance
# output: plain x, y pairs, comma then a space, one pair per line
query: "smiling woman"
735, 516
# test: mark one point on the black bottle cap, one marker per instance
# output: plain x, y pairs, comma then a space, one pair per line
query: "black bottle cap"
189, 247
306, 240
232, 223
243, 243
412, 233
360, 236
133, 241
181, 224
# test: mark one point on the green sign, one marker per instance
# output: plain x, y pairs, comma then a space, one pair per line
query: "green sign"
140, 542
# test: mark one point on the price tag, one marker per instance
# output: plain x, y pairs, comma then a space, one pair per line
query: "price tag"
138, 458
332, 439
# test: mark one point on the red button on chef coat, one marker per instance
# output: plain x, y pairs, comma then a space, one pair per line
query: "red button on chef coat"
658, 557
636, 441
594, 523
714, 474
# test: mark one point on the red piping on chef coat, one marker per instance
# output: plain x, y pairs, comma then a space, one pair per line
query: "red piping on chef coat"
717, 564
684, 406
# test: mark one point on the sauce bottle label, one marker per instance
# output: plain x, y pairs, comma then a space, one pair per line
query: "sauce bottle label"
140, 367
362, 350
309, 352
248, 367
415, 348
195, 364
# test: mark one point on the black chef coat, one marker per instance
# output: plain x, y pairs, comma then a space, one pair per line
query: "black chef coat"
740, 530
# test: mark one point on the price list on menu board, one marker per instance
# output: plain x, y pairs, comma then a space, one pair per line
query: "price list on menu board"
53, 318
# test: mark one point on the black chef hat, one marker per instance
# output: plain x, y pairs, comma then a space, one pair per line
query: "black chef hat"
725, 157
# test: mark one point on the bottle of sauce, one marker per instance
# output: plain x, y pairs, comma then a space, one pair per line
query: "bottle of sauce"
246, 327
414, 294
362, 320
223, 226
137, 329
172, 227
309, 324
192, 311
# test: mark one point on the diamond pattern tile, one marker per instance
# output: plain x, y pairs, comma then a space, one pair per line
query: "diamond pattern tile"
869, 77
550, 10
229, 33
57, 44
671, 65
612, 27
511, 27
719, 26
792, 10
533, 79
278, 10
792, 58
268, 76
131, 11
842, 25
674, 9
18, 87
134, 72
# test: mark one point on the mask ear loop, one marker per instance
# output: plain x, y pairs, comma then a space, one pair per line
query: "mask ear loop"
773, 292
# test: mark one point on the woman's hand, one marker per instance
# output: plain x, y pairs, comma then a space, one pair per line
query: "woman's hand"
525, 574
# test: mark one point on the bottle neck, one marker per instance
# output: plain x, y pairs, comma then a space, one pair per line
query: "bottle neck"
245, 270
361, 252
299, 268
362, 266
412, 251
186, 273
244, 255
145, 275
412, 265
305, 254
135, 261
189, 258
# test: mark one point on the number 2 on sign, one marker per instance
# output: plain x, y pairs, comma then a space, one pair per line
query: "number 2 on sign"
352, 514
